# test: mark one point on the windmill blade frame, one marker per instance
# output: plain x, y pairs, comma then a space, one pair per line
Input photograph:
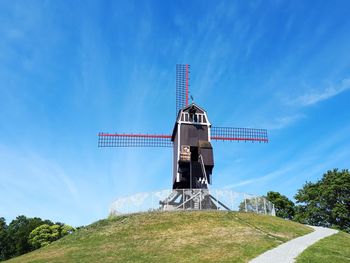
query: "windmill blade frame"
133, 140
238, 134
182, 86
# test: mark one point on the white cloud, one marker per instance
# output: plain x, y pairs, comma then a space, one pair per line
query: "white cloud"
28, 172
310, 162
307, 100
283, 122
266, 177
315, 97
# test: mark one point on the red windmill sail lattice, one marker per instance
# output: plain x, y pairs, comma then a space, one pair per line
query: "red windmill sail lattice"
238, 134
134, 140
182, 86
161, 140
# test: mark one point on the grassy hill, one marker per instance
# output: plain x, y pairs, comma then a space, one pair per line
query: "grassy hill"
335, 248
171, 237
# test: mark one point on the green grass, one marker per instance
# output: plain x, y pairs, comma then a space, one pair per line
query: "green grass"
335, 248
171, 237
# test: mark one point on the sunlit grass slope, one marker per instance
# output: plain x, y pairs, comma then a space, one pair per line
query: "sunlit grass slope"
171, 237
335, 248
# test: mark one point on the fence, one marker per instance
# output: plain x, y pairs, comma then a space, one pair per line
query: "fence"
192, 199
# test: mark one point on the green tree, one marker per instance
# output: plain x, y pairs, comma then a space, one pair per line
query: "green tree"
45, 234
18, 233
14, 238
4, 241
326, 202
66, 230
40, 236
284, 207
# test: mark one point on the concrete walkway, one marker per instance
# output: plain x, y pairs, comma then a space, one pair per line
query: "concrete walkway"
287, 252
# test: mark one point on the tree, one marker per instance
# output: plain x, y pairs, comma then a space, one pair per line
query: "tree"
284, 207
326, 202
45, 234
18, 233
66, 230
4, 242
40, 236
14, 238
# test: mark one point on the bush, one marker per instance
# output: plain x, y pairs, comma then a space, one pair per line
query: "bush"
43, 235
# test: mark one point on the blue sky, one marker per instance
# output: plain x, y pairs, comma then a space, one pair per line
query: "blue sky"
71, 69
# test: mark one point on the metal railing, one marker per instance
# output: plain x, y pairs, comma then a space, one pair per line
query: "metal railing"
192, 199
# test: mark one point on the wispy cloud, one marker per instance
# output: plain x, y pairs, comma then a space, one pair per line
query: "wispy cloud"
283, 122
307, 164
37, 172
315, 97
305, 100
266, 177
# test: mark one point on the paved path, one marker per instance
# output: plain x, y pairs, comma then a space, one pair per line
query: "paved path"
287, 252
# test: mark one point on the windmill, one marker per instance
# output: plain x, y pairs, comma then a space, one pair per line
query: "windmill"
191, 139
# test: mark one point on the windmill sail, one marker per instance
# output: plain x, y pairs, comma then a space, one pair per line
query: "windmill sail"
182, 86
133, 140
238, 134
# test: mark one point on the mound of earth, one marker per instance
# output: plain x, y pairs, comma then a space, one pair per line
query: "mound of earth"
201, 236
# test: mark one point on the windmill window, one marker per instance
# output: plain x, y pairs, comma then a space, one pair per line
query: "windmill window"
200, 118
193, 118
